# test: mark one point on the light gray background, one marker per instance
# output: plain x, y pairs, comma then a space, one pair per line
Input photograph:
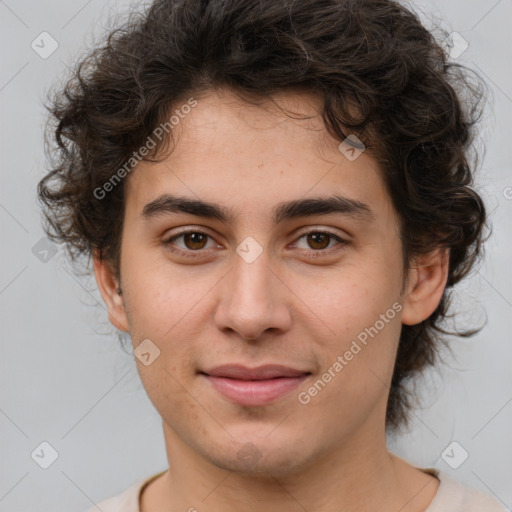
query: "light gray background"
64, 380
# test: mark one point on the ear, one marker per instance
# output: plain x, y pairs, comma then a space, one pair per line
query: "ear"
426, 283
108, 286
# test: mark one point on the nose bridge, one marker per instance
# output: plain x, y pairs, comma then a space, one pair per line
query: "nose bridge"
250, 301
251, 281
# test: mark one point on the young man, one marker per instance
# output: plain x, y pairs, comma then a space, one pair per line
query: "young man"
276, 198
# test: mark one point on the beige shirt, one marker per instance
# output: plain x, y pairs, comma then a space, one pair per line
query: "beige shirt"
451, 496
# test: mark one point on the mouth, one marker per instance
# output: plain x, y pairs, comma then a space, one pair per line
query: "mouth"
256, 386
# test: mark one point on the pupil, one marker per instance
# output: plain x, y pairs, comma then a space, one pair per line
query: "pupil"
193, 238
317, 239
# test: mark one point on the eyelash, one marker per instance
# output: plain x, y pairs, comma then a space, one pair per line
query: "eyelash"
195, 254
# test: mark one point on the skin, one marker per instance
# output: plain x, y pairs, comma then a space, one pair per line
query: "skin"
284, 307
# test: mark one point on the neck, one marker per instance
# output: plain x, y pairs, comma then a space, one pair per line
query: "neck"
366, 477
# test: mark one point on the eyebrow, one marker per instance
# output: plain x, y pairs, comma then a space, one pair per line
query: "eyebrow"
170, 204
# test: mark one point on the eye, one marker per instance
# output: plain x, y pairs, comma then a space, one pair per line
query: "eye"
320, 241
194, 241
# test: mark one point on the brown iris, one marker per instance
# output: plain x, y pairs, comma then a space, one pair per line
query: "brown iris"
318, 238
195, 240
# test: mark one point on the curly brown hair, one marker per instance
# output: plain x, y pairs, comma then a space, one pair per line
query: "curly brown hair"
380, 72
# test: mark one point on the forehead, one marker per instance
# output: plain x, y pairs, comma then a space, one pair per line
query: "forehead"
254, 156
224, 125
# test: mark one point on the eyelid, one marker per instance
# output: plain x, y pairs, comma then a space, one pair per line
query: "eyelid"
312, 253
201, 230
321, 229
167, 241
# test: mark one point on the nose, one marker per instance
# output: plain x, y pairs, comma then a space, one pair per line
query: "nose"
253, 299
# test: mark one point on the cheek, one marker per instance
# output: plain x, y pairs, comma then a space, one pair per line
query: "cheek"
363, 315
161, 298
357, 363
355, 297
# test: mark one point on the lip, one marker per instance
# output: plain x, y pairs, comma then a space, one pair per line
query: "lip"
241, 372
254, 386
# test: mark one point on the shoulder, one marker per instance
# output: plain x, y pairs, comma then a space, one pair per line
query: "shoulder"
126, 501
453, 496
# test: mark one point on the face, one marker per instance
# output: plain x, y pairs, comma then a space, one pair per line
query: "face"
253, 283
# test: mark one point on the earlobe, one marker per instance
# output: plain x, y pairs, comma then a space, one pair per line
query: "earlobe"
427, 282
111, 293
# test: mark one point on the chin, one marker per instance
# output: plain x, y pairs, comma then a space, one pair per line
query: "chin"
260, 458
